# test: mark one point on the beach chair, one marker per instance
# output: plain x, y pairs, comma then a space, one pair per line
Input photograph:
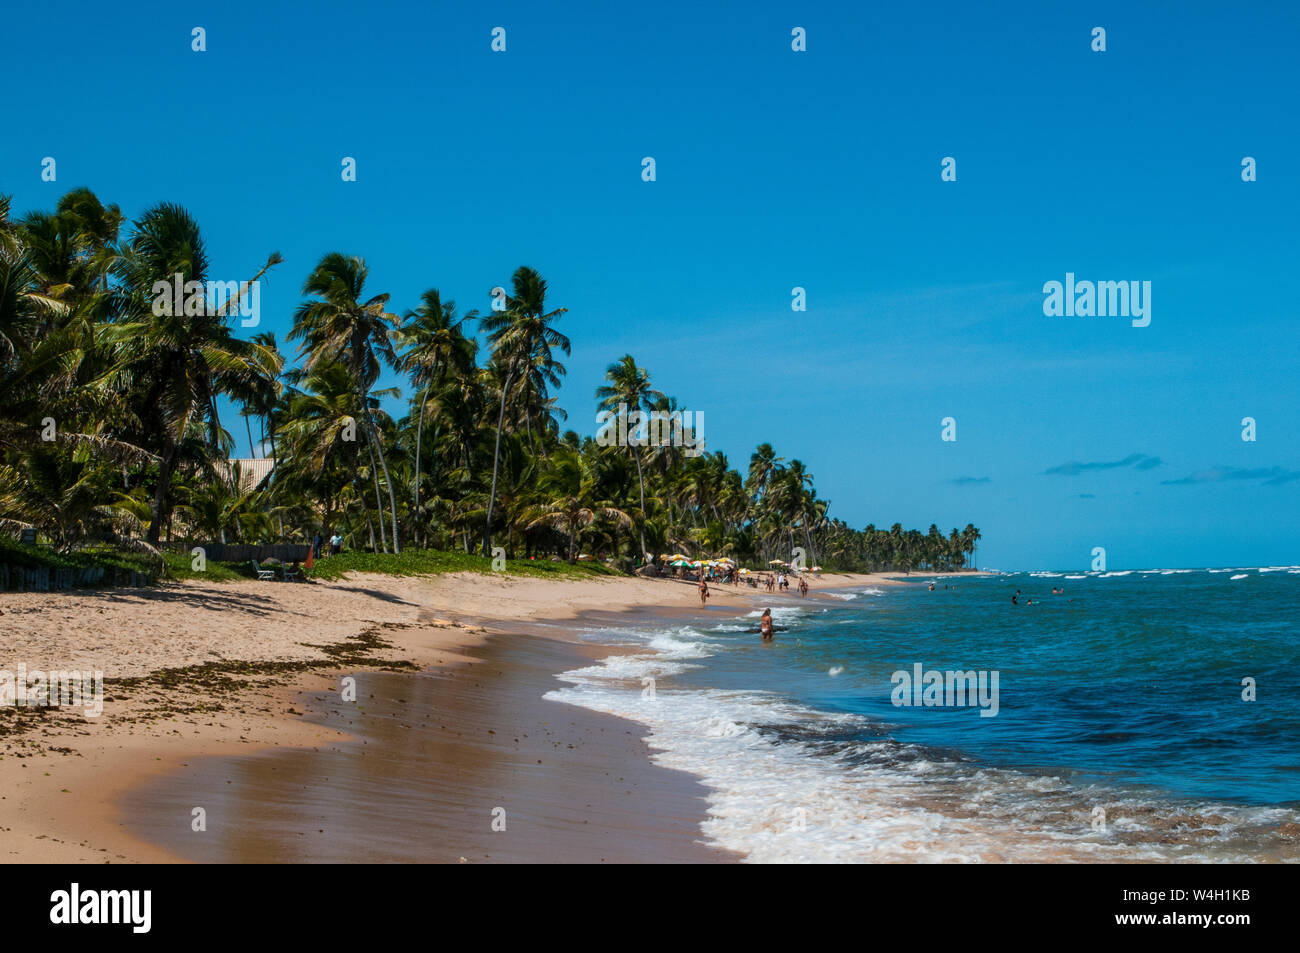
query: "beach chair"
292, 575
262, 573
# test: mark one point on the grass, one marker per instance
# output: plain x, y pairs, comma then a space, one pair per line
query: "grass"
432, 562
180, 565
41, 556
423, 562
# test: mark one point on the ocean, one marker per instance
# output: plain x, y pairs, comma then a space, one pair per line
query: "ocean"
1140, 716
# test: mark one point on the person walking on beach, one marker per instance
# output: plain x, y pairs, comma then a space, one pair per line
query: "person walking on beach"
704, 591
803, 586
315, 546
765, 625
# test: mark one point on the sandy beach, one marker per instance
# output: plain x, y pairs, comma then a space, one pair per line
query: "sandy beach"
196, 673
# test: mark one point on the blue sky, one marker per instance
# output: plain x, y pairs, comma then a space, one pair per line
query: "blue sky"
775, 169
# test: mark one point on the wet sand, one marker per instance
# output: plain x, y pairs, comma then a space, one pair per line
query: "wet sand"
438, 763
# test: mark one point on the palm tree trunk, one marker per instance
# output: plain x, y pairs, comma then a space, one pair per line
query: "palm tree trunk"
248, 426
812, 553
419, 435
496, 459
379, 500
641, 480
392, 500
160, 493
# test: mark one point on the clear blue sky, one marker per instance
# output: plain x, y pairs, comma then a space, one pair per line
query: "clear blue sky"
775, 169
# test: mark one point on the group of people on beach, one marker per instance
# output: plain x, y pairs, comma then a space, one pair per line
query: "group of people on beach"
770, 582
336, 545
765, 627
782, 582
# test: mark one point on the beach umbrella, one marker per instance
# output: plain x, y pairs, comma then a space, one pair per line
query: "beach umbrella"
777, 562
816, 568
679, 562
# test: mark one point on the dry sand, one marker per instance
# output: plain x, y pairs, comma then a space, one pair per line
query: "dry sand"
179, 689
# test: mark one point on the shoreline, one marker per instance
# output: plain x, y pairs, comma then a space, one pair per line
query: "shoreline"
366, 622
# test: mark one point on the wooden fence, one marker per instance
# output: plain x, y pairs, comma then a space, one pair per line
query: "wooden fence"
240, 552
45, 579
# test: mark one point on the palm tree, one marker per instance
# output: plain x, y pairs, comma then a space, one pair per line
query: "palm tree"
805, 498
315, 429
436, 344
337, 326
629, 386
267, 393
970, 537
175, 364
522, 339
570, 486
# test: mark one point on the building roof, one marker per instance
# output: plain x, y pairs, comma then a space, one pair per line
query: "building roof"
253, 471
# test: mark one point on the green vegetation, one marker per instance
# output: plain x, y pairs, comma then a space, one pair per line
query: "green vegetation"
111, 440
95, 556
434, 562
180, 566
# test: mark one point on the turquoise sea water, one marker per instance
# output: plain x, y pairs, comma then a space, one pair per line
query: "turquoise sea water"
1121, 731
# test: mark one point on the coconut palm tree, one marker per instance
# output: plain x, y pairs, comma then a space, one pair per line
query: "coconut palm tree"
523, 342
435, 345
970, 537
628, 388
175, 364
337, 326
570, 486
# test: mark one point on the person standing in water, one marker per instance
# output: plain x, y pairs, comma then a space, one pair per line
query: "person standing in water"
704, 591
765, 625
